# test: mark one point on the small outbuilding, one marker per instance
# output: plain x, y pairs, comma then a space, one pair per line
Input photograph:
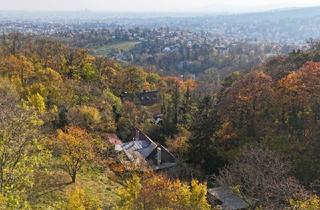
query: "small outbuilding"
226, 198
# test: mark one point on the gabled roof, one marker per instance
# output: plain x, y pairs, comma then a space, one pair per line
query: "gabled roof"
144, 147
230, 201
144, 150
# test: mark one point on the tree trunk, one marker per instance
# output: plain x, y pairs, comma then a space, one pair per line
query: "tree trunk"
73, 177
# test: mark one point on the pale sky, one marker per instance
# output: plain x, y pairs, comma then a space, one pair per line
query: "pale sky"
154, 5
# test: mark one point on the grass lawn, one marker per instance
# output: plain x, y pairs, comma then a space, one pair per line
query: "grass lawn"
106, 49
52, 188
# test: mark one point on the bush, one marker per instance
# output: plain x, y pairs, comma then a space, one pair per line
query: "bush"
86, 117
82, 199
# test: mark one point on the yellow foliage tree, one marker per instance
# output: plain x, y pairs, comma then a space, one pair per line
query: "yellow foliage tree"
86, 117
179, 144
38, 102
198, 198
159, 192
311, 203
129, 194
16, 67
81, 199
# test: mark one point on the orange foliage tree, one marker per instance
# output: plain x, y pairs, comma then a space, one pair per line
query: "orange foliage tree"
246, 102
16, 67
76, 148
298, 97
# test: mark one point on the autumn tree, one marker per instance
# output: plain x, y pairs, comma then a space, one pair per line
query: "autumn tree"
261, 174
140, 193
14, 41
179, 144
298, 103
229, 80
247, 103
87, 117
48, 83
129, 194
89, 72
16, 67
21, 151
81, 198
130, 118
109, 98
76, 148
37, 102
133, 80
309, 203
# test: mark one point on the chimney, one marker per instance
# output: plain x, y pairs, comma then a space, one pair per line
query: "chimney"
136, 138
158, 156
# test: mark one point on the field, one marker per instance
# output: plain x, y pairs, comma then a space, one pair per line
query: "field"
106, 49
53, 187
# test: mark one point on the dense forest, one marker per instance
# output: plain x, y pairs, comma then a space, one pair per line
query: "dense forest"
185, 59
257, 132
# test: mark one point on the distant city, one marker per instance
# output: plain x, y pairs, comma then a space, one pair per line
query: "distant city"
175, 43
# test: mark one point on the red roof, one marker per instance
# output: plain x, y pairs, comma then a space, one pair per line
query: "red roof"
113, 139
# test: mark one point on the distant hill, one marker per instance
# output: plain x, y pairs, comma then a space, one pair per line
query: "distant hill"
285, 13
290, 12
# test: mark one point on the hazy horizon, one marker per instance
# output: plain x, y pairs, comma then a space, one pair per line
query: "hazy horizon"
153, 5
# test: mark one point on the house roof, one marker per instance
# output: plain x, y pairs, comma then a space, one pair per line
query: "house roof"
230, 201
143, 150
144, 147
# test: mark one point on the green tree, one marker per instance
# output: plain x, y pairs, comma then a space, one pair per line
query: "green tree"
172, 109
204, 136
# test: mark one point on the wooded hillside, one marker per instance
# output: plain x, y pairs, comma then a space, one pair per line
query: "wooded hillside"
258, 133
